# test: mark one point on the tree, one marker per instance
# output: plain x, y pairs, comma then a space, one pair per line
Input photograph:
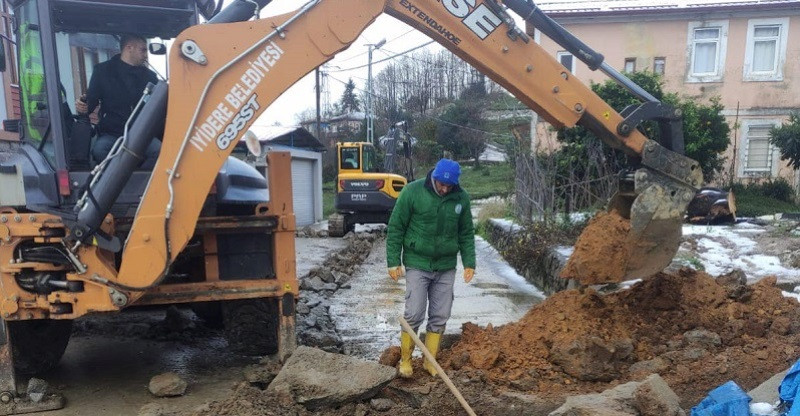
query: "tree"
787, 139
705, 131
349, 102
460, 129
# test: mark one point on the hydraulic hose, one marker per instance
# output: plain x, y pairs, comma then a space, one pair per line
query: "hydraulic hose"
593, 59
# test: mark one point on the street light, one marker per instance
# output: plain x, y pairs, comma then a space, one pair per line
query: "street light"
370, 127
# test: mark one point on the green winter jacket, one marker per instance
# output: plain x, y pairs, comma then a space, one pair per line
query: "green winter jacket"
430, 230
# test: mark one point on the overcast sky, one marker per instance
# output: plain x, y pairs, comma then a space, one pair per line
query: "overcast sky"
399, 37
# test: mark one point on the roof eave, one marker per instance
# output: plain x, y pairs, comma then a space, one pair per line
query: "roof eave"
661, 11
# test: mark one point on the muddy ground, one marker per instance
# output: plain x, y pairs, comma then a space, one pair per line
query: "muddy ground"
696, 330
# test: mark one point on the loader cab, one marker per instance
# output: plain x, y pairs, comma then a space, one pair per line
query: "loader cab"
60, 41
58, 44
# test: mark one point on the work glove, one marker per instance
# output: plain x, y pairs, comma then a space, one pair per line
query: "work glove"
468, 274
397, 272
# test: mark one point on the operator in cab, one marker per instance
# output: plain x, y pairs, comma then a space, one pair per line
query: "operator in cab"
430, 225
116, 86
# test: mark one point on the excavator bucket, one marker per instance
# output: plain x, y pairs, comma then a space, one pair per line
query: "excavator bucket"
637, 236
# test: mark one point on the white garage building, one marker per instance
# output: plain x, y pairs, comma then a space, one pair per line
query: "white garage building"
306, 153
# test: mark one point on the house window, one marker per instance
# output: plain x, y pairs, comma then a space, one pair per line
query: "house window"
765, 52
630, 64
659, 65
707, 47
758, 156
567, 60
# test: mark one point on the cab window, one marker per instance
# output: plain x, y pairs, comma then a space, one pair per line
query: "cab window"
370, 159
349, 158
35, 114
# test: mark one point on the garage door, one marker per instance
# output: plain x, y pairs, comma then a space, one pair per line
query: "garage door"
303, 190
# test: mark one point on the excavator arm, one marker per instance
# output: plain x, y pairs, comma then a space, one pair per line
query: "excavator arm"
222, 76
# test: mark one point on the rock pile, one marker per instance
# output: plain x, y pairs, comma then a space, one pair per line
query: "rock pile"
314, 325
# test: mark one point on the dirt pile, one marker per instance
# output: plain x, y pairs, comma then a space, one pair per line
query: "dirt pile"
601, 252
695, 331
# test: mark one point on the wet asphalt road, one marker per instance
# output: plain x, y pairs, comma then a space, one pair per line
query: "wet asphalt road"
366, 315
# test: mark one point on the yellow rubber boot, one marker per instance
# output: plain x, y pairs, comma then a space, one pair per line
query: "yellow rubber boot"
432, 341
406, 348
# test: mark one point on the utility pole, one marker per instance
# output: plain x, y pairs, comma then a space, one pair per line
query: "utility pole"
370, 124
319, 119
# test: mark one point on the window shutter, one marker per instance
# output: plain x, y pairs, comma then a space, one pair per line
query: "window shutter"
759, 150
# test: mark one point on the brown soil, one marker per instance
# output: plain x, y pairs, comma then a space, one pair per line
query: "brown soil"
585, 342
582, 342
601, 252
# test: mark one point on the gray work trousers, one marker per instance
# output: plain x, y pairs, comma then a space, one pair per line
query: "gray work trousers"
431, 289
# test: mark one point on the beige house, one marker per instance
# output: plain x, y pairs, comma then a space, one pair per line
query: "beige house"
747, 52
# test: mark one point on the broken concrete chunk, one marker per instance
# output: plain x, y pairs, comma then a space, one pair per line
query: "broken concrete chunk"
167, 385
37, 388
152, 409
314, 283
317, 379
653, 397
614, 402
592, 358
381, 405
643, 368
261, 374
702, 338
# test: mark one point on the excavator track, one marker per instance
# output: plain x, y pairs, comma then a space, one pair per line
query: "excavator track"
336, 225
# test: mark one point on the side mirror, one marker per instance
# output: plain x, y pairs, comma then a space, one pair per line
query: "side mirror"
157, 48
252, 142
208, 8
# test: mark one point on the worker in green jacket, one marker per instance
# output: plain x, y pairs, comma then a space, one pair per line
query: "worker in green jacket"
430, 224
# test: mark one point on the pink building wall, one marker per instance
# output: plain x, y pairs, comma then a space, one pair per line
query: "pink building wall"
645, 37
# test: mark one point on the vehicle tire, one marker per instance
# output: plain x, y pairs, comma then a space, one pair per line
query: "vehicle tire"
37, 345
251, 325
210, 313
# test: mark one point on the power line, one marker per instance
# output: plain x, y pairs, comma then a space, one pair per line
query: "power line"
432, 117
384, 59
365, 52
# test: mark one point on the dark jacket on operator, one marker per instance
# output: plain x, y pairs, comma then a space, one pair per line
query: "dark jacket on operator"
117, 87
430, 230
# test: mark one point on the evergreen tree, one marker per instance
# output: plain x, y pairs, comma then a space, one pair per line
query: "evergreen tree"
349, 102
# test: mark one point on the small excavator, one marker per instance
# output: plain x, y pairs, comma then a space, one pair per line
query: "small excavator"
203, 228
365, 192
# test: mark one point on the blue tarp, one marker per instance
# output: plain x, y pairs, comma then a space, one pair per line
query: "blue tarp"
726, 400
788, 390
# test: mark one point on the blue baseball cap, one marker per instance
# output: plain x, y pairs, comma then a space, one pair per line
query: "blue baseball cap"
447, 172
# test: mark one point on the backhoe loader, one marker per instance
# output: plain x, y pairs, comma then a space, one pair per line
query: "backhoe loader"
201, 227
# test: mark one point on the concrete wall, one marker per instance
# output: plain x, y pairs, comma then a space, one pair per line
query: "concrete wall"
541, 271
